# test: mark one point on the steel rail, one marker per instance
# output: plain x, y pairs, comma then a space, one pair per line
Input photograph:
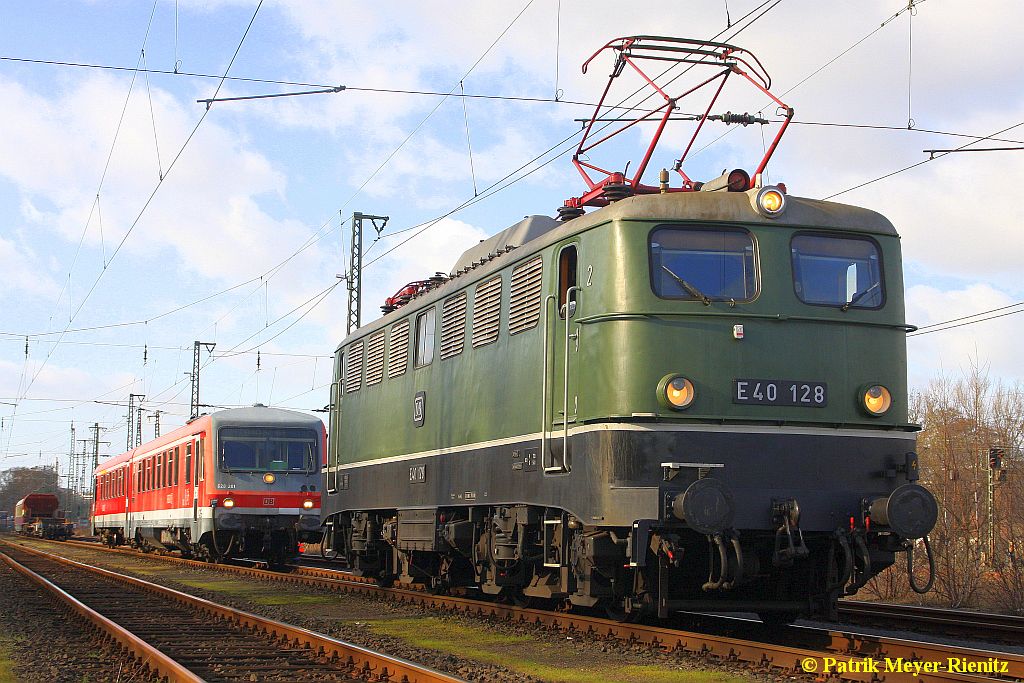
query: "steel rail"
375, 665
147, 655
955, 621
845, 643
841, 645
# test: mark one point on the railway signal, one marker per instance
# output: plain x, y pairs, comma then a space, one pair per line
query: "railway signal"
995, 457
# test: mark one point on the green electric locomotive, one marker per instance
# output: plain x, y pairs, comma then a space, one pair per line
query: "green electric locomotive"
683, 400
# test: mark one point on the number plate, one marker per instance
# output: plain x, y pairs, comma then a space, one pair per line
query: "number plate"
780, 392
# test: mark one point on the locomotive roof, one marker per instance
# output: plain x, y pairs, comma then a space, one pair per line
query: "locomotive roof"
707, 207
690, 206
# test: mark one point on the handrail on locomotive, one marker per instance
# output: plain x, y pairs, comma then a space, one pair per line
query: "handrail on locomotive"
632, 50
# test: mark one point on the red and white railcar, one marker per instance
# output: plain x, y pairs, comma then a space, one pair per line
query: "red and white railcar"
239, 482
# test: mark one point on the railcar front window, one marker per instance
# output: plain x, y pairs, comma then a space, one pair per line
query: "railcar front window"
702, 264
837, 271
263, 449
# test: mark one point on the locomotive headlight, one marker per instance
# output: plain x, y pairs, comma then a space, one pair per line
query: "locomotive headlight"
676, 392
228, 503
269, 478
307, 504
876, 400
770, 201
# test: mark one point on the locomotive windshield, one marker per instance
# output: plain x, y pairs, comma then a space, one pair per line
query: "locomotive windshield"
837, 271
703, 264
268, 449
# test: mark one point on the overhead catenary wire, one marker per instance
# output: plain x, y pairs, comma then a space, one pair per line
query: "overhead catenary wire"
147, 202
1000, 312
930, 159
817, 71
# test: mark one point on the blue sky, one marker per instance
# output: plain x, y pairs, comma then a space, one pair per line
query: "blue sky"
261, 179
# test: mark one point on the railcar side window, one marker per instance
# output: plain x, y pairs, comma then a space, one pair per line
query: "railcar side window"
425, 337
188, 463
837, 271
703, 264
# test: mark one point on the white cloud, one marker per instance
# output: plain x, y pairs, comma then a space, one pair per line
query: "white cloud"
22, 273
994, 342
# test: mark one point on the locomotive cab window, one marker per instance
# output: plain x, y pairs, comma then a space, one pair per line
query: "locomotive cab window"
837, 271
567, 266
267, 449
703, 264
425, 338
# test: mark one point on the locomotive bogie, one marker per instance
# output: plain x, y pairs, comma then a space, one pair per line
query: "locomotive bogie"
595, 427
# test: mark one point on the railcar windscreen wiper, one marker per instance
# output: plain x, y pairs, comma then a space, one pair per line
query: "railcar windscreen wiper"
859, 295
688, 287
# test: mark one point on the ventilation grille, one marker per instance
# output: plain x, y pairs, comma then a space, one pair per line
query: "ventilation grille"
354, 368
399, 358
453, 326
486, 312
524, 297
375, 359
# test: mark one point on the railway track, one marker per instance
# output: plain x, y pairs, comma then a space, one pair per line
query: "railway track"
792, 648
185, 638
1003, 628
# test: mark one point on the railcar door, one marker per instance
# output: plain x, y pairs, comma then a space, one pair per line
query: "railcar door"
561, 339
196, 450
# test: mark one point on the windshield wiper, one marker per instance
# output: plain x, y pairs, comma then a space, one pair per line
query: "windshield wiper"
694, 292
858, 296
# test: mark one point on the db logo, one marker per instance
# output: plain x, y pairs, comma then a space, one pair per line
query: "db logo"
269, 502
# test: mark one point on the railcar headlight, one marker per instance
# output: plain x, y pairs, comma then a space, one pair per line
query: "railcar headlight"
770, 201
229, 503
676, 392
307, 504
269, 478
876, 400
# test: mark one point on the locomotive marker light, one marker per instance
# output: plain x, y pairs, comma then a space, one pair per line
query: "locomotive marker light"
876, 400
269, 478
770, 201
676, 392
307, 504
229, 503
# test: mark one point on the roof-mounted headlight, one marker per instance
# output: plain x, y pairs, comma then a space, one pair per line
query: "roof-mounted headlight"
770, 201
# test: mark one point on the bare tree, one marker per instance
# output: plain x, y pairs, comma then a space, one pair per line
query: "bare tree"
1008, 489
956, 416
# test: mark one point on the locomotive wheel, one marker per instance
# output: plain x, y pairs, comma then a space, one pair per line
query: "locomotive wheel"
615, 610
519, 599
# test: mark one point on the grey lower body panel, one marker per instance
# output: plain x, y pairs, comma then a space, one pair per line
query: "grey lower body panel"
618, 475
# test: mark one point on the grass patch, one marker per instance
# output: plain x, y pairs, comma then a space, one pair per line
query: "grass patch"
542, 660
6, 663
261, 596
